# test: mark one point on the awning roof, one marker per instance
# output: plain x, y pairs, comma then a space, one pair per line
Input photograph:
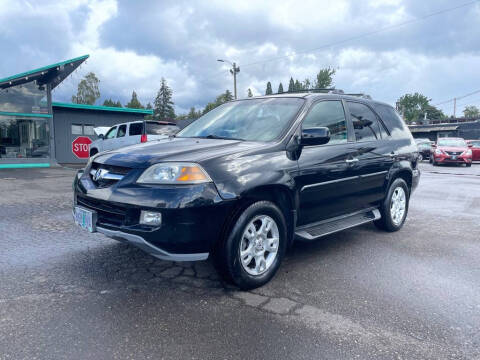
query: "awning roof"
53, 74
433, 128
102, 108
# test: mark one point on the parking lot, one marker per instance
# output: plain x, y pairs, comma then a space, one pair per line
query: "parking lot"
67, 294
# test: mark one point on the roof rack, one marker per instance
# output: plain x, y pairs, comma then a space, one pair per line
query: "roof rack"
327, 91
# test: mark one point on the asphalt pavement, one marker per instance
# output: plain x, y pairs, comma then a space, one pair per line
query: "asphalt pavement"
361, 293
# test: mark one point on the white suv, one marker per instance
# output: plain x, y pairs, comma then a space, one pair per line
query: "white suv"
132, 133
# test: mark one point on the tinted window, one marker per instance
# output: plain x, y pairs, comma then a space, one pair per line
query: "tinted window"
122, 130
452, 142
393, 121
328, 114
135, 129
365, 123
475, 144
111, 133
160, 129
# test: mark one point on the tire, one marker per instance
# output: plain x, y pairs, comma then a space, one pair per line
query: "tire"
246, 274
469, 164
434, 163
393, 221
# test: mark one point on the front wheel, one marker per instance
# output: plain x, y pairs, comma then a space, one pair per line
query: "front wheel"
469, 164
253, 250
394, 208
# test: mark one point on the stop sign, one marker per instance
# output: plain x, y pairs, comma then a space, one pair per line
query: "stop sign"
81, 147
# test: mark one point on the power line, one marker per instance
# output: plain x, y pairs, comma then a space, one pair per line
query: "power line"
458, 98
386, 28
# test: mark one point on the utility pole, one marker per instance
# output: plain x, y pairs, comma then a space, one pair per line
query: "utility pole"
454, 107
234, 70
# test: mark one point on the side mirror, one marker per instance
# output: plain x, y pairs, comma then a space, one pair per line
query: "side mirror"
434, 146
470, 145
101, 136
315, 136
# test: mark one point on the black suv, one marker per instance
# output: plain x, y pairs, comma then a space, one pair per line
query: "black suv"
246, 179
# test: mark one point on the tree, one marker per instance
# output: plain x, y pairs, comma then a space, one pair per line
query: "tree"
280, 89
87, 90
433, 113
249, 93
111, 103
298, 86
221, 99
268, 91
163, 106
324, 78
291, 85
471, 112
134, 102
306, 84
413, 106
149, 107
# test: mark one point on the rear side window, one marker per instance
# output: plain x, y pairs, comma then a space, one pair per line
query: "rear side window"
160, 129
393, 121
135, 129
122, 130
328, 114
365, 123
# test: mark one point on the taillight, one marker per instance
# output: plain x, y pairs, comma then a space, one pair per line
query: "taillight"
143, 138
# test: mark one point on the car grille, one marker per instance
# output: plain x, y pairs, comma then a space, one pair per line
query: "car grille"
118, 172
454, 152
109, 213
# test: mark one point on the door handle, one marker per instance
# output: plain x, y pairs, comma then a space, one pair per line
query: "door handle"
351, 161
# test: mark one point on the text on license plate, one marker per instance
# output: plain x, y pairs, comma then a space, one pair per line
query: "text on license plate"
85, 218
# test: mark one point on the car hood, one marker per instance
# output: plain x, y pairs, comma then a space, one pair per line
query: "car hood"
174, 149
451, 148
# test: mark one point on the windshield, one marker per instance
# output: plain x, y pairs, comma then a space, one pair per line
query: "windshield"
452, 142
252, 120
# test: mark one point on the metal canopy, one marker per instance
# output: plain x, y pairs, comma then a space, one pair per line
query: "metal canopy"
434, 128
53, 74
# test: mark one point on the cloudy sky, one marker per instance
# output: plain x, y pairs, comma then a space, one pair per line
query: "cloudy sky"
132, 44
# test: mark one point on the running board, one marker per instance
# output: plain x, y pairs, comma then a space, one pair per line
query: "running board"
339, 223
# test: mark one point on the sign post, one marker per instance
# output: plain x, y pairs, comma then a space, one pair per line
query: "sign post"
81, 147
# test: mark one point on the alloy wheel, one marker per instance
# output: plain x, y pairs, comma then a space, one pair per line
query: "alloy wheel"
398, 205
259, 245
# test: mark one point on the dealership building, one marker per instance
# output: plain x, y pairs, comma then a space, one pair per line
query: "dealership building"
38, 132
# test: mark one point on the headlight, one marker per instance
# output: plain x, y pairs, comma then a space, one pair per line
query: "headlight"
468, 152
438, 152
174, 173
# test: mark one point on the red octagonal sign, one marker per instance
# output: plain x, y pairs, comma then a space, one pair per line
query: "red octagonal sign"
81, 147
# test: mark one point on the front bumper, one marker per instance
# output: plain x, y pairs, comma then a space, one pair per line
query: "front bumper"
448, 159
193, 216
153, 250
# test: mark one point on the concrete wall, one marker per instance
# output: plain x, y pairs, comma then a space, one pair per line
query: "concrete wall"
64, 118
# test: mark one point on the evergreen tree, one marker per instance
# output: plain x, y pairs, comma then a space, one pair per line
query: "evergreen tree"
192, 114
280, 89
148, 107
111, 103
134, 102
249, 93
291, 85
163, 109
268, 91
87, 90
297, 86
306, 84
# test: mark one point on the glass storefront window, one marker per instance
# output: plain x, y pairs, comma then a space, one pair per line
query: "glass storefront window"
29, 98
23, 137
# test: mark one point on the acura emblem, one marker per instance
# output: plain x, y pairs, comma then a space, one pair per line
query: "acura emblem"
100, 174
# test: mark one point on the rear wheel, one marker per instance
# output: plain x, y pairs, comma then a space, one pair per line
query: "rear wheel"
394, 208
252, 251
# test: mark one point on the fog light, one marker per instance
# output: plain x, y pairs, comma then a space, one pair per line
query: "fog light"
150, 218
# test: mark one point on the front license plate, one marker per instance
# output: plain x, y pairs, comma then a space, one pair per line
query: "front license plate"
84, 218
454, 158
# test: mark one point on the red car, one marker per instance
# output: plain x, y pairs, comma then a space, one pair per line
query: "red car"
451, 151
474, 145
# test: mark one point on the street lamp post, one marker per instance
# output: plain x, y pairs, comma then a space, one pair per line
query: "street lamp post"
234, 70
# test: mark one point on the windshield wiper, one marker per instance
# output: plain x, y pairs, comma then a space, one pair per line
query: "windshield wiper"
213, 136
